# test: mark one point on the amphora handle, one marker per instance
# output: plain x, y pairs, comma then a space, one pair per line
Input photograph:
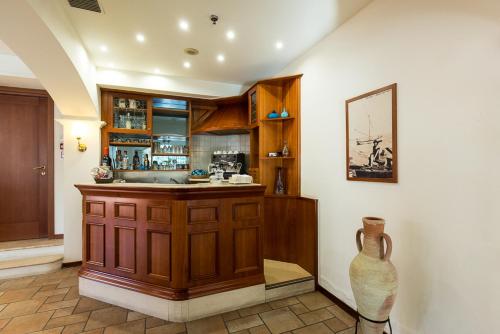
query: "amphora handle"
358, 239
388, 250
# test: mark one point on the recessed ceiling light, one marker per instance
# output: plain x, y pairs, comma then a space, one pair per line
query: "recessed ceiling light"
230, 35
157, 70
187, 64
140, 38
221, 58
184, 25
279, 45
104, 48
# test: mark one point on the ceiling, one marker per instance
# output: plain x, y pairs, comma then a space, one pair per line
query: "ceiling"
258, 25
13, 72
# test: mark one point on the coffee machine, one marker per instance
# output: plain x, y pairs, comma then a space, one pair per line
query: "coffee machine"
229, 162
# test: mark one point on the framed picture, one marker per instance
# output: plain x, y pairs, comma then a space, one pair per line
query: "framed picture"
371, 130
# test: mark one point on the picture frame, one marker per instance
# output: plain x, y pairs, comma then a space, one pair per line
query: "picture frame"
371, 136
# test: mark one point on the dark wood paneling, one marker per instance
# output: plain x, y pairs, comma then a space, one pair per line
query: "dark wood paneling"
203, 214
159, 252
125, 248
244, 211
203, 255
95, 208
159, 215
95, 244
125, 211
246, 249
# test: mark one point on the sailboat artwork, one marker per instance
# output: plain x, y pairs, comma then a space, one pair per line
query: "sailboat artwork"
371, 136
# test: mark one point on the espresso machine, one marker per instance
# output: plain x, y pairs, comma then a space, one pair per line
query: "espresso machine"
229, 163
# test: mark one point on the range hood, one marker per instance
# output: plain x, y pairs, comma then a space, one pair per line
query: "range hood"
223, 117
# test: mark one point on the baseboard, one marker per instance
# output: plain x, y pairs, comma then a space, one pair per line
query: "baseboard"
72, 264
57, 236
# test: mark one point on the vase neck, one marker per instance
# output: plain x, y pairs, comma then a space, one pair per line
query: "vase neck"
372, 243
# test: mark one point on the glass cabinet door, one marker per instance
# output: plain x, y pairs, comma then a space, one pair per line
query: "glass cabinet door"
130, 113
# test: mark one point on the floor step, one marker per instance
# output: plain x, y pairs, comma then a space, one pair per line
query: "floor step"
17, 250
30, 266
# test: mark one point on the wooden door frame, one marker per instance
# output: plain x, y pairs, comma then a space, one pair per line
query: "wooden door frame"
50, 149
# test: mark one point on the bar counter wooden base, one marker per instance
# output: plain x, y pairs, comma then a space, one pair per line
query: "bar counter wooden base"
173, 242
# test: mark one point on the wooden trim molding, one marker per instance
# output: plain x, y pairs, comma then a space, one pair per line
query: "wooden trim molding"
57, 236
71, 264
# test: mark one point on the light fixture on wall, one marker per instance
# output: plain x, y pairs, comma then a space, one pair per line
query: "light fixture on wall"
77, 131
81, 146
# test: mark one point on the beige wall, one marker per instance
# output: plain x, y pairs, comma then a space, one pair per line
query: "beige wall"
443, 213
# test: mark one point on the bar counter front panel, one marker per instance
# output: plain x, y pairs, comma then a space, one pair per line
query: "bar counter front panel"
173, 242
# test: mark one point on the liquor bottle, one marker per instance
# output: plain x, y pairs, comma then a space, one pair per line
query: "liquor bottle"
118, 159
125, 160
106, 160
128, 121
136, 162
146, 162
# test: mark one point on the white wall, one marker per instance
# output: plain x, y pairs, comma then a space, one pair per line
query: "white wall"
445, 57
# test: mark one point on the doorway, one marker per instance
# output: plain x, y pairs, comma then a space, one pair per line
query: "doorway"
27, 164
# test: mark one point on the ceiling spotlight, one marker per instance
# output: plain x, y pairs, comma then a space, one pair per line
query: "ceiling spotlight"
279, 45
221, 58
104, 48
214, 19
184, 25
140, 38
230, 35
157, 70
187, 64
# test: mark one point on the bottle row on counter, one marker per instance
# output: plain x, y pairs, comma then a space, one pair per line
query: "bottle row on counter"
141, 162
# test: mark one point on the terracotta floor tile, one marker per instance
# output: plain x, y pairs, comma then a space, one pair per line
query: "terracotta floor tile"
154, 322
63, 312
2, 307
254, 310
58, 305
211, 325
68, 282
20, 308
88, 304
72, 293
172, 328
132, 315
67, 320
284, 302
351, 330
74, 328
315, 316
245, 331
320, 328
314, 300
131, 327
230, 315
12, 296
3, 322
243, 323
17, 283
53, 299
41, 295
281, 320
298, 309
28, 323
336, 324
106, 317
57, 330
48, 287
259, 330
95, 331
342, 315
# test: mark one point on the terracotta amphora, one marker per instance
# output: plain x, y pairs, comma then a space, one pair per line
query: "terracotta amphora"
374, 279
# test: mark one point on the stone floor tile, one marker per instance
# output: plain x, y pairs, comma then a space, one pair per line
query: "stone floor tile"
319, 328
63, 312
72, 293
88, 304
42, 295
132, 315
230, 315
211, 325
95, 331
67, 320
106, 317
243, 323
74, 328
48, 287
315, 316
20, 308
27, 323
281, 320
15, 284
314, 300
254, 310
342, 315
130, 327
351, 330
58, 305
53, 299
245, 331
336, 324
3, 322
57, 330
284, 302
259, 330
298, 309
68, 282
154, 322
172, 328
3, 306
11, 296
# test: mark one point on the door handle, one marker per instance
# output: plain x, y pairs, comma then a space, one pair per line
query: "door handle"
42, 169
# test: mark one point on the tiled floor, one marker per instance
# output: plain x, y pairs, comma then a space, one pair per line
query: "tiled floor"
50, 304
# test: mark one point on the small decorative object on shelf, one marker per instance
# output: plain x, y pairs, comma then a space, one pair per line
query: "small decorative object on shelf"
102, 174
374, 280
284, 113
136, 162
273, 154
285, 152
146, 162
279, 187
125, 160
118, 159
273, 115
106, 160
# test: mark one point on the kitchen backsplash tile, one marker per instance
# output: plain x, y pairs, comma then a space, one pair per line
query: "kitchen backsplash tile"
203, 147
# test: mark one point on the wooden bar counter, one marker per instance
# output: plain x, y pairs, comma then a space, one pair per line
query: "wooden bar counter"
173, 241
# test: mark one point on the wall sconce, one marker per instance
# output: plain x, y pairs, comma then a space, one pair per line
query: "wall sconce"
81, 146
